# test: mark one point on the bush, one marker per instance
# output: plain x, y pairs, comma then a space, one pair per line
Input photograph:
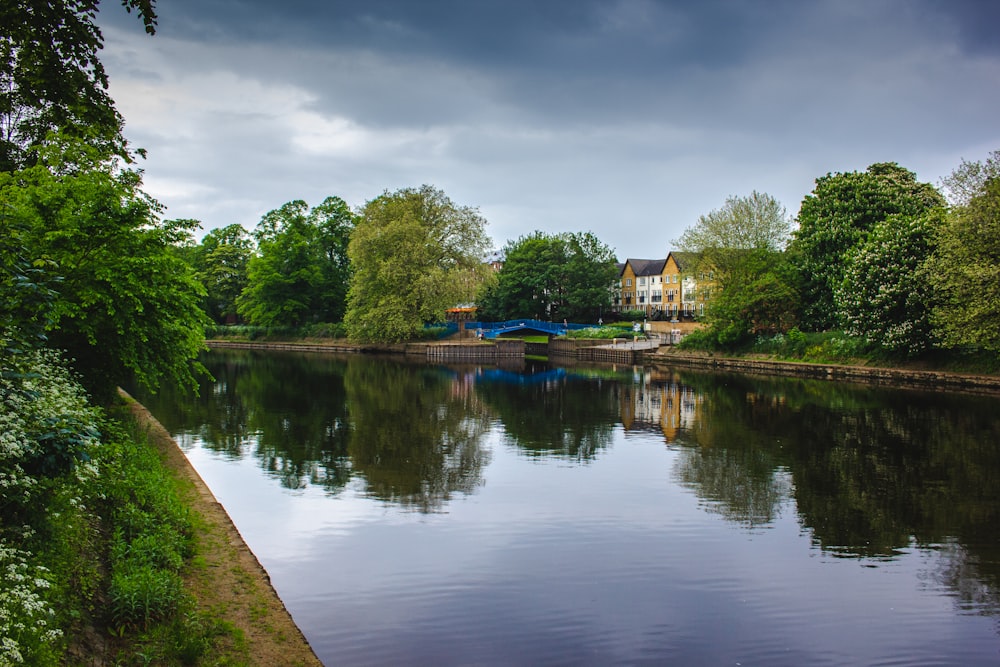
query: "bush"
600, 333
325, 330
27, 635
141, 594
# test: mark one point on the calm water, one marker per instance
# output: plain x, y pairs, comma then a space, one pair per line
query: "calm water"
421, 515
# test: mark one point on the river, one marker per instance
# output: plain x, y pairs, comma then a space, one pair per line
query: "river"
411, 514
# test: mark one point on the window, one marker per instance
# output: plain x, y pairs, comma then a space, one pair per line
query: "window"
628, 282
642, 281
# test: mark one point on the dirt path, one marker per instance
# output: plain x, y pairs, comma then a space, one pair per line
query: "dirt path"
226, 578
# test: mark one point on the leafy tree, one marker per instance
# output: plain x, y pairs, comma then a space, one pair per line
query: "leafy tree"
301, 271
838, 215
965, 269
885, 297
51, 78
552, 277
221, 262
125, 304
742, 244
414, 253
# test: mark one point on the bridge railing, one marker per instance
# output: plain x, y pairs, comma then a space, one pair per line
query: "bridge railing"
536, 325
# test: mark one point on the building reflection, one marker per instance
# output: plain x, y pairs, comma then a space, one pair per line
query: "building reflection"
658, 400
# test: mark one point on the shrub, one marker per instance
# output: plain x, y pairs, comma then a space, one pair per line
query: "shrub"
27, 635
141, 594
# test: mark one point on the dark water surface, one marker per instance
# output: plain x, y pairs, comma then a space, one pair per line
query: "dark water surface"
423, 515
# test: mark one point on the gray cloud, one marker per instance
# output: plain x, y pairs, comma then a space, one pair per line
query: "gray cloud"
610, 117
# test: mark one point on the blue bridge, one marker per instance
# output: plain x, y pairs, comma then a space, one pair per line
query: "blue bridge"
529, 327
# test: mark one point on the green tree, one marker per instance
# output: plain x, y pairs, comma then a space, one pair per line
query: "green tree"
126, 303
222, 261
965, 269
51, 78
741, 244
885, 298
837, 216
414, 253
301, 271
552, 277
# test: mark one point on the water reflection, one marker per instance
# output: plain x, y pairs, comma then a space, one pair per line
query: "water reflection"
416, 433
867, 473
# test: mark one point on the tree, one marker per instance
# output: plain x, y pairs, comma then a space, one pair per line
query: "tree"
414, 253
838, 215
741, 244
552, 277
965, 269
885, 298
221, 261
51, 78
125, 303
301, 271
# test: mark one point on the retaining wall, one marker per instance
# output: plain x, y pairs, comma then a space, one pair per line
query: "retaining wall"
896, 377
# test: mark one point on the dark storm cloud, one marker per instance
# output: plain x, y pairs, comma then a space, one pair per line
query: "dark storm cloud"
561, 115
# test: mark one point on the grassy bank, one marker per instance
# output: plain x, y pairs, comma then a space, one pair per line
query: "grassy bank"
109, 553
834, 347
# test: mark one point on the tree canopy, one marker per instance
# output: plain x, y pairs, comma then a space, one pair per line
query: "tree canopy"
741, 244
965, 269
552, 277
301, 272
221, 262
414, 253
120, 301
885, 298
838, 215
51, 78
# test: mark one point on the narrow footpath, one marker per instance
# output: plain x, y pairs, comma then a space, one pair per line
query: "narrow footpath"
228, 581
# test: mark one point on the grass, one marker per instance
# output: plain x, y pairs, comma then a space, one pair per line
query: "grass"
835, 347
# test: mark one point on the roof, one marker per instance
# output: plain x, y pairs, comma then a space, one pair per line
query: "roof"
645, 267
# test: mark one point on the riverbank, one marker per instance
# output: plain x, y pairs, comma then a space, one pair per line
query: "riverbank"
910, 378
226, 578
671, 356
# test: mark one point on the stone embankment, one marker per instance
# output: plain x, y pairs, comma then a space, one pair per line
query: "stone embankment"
646, 353
895, 377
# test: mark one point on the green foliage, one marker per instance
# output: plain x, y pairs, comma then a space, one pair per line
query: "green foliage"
141, 594
741, 244
965, 269
551, 277
633, 315
836, 217
221, 263
301, 271
885, 299
414, 254
51, 78
126, 304
27, 632
600, 333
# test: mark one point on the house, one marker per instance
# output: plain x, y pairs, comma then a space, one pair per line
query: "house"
641, 284
665, 289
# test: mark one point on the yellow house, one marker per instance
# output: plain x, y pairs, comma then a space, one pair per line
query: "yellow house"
696, 284
641, 285
664, 289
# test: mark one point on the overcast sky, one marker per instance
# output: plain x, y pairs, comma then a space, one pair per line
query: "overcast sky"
626, 118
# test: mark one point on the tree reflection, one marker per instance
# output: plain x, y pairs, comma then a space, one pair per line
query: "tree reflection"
736, 467
285, 409
872, 471
565, 415
415, 435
